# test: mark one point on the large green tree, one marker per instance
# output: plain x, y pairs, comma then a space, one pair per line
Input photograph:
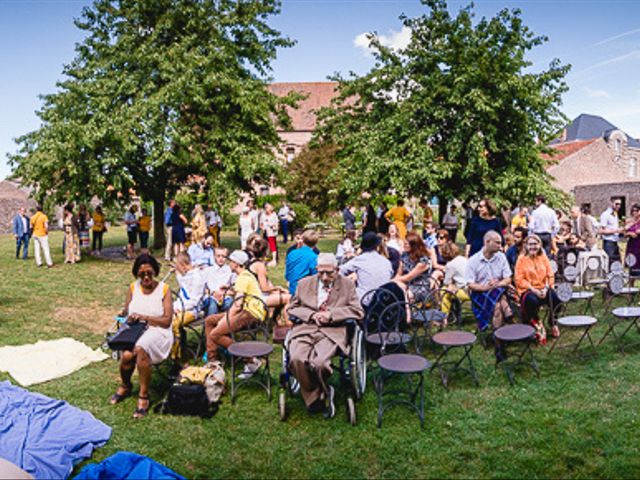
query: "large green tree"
159, 94
459, 112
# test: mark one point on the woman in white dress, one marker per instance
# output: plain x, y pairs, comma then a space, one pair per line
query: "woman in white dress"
148, 300
246, 226
394, 240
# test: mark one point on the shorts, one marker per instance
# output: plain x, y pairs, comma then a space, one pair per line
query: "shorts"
273, 246
132, 235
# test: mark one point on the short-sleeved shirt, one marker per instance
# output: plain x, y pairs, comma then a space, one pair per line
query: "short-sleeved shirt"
98, 222
39, 224
145, 223
301, 263
247, 284
482, 270
130, 217
373, 271
610, 221
455, 270
409, 264
519, 221
200, 255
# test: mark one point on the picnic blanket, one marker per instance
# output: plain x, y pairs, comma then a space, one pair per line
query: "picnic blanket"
43, 436
127, 466
483, 304
45, 360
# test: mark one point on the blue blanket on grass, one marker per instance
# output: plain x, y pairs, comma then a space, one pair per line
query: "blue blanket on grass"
127, 466
43, 436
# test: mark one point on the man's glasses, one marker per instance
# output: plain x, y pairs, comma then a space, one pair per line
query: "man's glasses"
325, 272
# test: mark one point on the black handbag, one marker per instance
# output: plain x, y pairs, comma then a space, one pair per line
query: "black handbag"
127, 336
188, 399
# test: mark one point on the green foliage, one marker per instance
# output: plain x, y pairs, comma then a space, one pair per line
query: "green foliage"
159, 93
458, 112
275, 200
309, 178
304, 214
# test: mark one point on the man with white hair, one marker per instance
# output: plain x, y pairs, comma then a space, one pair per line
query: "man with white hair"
320, 307
488, 275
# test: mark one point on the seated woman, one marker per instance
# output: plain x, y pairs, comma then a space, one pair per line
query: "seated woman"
346, 249
454, 279
241, 314
442, 239
417, 266
534, 281
148, 300
394, 240
273, 296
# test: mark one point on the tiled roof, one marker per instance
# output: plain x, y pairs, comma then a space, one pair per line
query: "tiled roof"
319, 94
586, 126
565, 149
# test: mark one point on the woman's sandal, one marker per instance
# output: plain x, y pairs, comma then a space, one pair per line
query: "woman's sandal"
118, 397
141, 412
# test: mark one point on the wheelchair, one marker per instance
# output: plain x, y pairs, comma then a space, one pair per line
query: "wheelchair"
352, 369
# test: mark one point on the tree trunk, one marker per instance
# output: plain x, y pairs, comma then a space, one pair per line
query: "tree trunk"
442, 208
158, 221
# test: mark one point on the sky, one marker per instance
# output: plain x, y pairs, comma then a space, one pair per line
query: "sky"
600, 39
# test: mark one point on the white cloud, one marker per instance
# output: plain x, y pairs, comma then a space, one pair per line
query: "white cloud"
633, 54
394, 40
616, 37
596, 93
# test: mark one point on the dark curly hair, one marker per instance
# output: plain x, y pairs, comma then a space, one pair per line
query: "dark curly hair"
145, 259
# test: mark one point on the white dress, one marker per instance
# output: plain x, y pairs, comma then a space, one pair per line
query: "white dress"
246, 229
156, 341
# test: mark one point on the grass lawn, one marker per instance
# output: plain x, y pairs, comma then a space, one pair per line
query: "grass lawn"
579, 419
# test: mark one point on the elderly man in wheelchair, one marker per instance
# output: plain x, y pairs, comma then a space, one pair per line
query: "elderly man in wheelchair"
324, 309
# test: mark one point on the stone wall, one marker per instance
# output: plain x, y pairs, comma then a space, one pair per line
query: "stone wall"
11, 199
598, 195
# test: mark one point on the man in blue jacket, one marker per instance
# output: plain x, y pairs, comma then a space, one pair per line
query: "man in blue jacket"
22, 233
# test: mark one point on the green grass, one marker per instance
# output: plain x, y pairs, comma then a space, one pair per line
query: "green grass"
579, 419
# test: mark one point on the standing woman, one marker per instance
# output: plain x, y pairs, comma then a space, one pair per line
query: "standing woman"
270, 224
69, 224
83, 226
534, 281
132, 230
198, 225
144, 224
178, 235
482, 223
97, 230
148, 300
383, 223
246, 226
632, 231
399, 215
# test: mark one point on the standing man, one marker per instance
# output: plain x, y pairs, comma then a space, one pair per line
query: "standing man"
583, 227
40, 228
256, 215
610, 230
168, 213
321, 305
22, 232
214, 224
544, 223
284, 214
450, 223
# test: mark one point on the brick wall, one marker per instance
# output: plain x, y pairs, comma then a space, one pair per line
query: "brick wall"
599, 195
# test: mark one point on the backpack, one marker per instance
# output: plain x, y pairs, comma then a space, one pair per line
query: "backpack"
196, 392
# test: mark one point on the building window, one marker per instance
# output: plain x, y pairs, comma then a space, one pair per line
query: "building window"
633, 167
291, 152
618, 146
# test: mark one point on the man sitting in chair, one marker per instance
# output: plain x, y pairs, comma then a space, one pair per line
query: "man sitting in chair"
321, 304
488, 276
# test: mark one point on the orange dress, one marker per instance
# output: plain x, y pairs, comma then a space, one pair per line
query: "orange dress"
533, 272
399, 216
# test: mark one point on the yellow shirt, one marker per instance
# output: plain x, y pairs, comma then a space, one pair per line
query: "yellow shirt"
98, 222
247, 284
519, 221
39, 224
400, 217
144, 223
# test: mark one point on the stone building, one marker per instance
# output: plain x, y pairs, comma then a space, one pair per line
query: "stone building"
12, 197
594, 161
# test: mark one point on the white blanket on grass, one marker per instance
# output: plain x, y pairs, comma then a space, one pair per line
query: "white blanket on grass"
45, 360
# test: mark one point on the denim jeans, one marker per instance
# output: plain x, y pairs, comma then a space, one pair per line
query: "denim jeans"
212, 307
22, 242
612, 250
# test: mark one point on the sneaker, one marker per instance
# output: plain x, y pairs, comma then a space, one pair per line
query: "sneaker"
330, 410
250, 369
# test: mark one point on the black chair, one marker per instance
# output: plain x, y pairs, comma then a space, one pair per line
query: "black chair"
250, 342
411, 367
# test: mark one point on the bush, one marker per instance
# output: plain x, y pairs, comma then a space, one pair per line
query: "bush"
303, 214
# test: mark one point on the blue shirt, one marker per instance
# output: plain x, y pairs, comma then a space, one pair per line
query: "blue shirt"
199, 255
301, 263
167, 216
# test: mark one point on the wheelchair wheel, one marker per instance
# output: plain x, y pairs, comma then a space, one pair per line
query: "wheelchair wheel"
351, 411
282, 406
358, 364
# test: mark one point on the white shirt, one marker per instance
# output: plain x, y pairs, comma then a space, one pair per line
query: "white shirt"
218, 276
544, 220
609, 221
191, 290
283, 213
481, 269
450, 221
270, 224
454, 272
25, 225
322, 293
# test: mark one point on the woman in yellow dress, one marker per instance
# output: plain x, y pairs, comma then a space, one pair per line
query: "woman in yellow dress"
198, 225
399, 215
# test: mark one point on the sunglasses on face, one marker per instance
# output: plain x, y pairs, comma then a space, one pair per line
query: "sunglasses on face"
145, 274
441, 237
